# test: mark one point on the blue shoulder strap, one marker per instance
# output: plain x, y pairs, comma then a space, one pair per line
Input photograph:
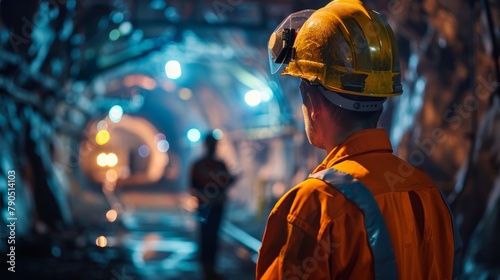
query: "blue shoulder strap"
376, 230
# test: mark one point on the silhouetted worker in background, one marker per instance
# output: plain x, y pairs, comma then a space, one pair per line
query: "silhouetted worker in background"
210, 180
363, 213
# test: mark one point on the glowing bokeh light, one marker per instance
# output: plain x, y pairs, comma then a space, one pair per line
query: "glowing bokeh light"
116, 113
185, 94
102, 159
253, 98
101, 241
114, 34
102, 125
217, 134
117, 17
194, 135
111, 159
102, 137
143, 151
111, 215
278, 189
111, 175
191, 204
173, 69
125, 27
163, 146
266, 95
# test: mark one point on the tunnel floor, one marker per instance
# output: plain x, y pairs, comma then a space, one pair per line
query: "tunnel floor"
155, 239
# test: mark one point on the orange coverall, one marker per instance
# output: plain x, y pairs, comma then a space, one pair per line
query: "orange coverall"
315, 232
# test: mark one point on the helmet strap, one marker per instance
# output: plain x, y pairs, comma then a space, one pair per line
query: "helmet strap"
349, 104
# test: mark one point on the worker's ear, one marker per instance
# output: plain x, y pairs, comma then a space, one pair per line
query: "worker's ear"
316, 104
311, 99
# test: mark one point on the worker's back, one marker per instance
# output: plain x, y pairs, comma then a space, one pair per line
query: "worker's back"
392, 222
417, 218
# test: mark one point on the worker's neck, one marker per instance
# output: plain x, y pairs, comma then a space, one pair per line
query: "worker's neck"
338, 136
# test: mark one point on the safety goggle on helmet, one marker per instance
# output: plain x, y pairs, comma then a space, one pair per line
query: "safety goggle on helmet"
280, 45
345, 47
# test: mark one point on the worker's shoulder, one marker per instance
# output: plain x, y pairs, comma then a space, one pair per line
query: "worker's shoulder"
384, 172
312, 197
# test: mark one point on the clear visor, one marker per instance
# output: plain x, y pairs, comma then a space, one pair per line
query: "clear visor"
280, 43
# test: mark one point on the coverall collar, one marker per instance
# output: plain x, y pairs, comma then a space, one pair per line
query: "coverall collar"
360, 142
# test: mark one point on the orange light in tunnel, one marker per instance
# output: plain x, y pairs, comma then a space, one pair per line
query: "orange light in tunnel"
96, 165
278, 189
101, 241
102, 159
102, 137
191, 203
243, 253
112, 160
145, 82
111, 215
111, 175
148, 83
185, 94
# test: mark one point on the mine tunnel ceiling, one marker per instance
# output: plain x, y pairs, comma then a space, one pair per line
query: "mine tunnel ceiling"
111, 34
69, 49
220, 44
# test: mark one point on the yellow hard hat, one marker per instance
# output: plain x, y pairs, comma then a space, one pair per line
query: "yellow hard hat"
345, 47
